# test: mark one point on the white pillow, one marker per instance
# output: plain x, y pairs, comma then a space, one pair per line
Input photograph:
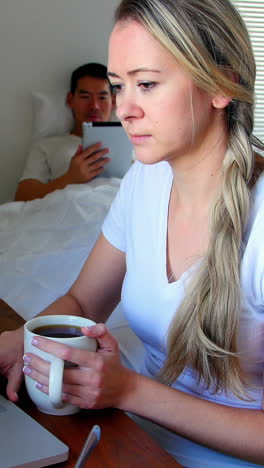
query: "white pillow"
51, 115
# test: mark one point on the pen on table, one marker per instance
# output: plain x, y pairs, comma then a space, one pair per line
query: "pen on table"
90, 443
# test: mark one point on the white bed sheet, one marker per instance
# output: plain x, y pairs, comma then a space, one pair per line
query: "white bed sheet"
44, 243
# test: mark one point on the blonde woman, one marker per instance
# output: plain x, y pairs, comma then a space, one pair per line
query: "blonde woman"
182, 243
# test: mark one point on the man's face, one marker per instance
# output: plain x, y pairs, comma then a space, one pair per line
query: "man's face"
92, 101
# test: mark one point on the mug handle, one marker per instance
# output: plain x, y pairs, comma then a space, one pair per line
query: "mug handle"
55, 381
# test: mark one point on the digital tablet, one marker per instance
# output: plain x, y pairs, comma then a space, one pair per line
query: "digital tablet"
113, 136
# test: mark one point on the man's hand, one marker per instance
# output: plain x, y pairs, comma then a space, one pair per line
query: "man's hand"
84, 166
87, 164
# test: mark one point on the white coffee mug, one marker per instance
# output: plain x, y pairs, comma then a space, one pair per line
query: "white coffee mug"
64, 329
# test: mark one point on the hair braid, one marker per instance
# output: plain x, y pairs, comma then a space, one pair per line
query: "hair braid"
210, 329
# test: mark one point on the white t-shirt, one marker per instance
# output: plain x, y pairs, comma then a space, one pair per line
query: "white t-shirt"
137, 225
50, 157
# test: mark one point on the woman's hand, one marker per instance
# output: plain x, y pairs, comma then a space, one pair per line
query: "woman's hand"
11, 352
99, 381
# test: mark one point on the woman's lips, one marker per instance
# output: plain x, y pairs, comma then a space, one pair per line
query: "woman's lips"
137, 139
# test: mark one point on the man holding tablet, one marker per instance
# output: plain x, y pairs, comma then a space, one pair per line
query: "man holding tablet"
55, 162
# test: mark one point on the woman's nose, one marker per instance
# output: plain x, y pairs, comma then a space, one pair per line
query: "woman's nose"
127, 108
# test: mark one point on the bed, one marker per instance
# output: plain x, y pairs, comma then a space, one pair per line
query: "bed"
44, 242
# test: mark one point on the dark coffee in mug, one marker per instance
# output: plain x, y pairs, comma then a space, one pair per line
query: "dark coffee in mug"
58, 331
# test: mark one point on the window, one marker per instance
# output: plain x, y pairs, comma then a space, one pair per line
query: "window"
252, 12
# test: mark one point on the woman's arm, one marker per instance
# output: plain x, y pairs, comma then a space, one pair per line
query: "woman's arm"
96, 291
235, 431
98, 288
94, 294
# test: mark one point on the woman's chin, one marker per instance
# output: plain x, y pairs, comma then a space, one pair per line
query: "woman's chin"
147, 156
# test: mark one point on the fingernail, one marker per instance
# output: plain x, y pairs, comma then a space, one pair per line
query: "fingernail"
34, 341
38, 385
90, 329
26, 358
27, 370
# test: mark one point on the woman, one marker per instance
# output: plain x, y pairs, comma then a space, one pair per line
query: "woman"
182, 243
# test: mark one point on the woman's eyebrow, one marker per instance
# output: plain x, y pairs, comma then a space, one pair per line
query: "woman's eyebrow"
133, 72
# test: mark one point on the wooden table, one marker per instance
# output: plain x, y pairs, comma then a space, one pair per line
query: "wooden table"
123, 443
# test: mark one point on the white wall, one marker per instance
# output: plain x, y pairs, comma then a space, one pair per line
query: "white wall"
42, 41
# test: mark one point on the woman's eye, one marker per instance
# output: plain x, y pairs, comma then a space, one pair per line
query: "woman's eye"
116, 88
146, 85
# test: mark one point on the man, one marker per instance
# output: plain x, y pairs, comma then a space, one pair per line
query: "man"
53, 162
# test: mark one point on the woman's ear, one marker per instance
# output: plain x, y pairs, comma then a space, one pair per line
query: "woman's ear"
220, 102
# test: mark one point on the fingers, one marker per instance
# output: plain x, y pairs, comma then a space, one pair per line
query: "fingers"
107, 344
95, 162
92, 165
67, 397
88, 151
79, 383
38, 369
67, 353
91, 151
105, 340
84, 395
32, 361
15, 377
97, 155
97, 158
91, 173
88, 164
35, 375
95, 381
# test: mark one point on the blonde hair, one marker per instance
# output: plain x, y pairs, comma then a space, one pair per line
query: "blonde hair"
208, 37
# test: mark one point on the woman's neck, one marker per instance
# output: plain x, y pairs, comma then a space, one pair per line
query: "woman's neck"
198, 175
